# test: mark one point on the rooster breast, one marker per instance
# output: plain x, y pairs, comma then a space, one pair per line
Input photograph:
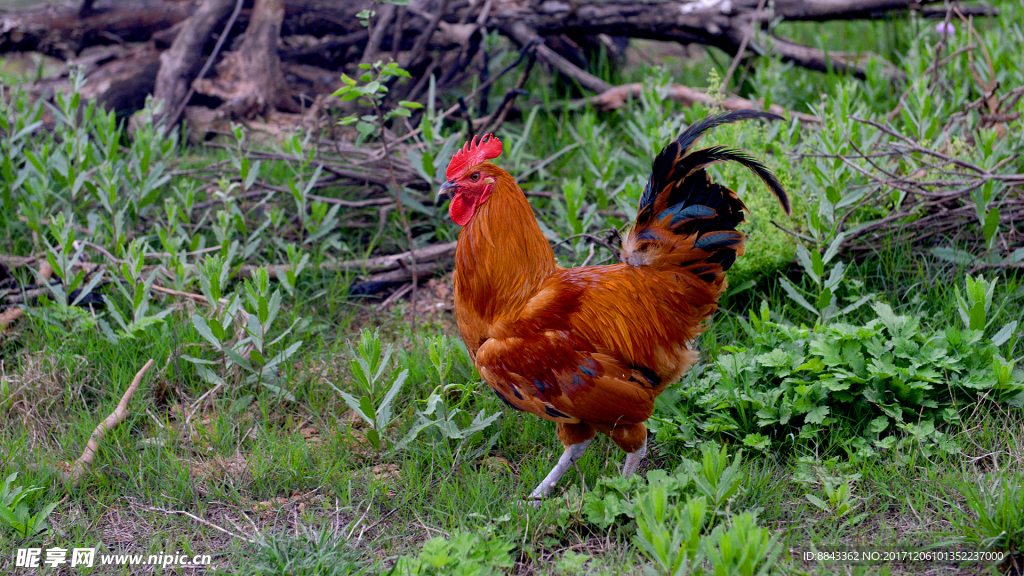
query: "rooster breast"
596, 344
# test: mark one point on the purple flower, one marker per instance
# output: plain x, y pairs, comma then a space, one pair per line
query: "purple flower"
945, 28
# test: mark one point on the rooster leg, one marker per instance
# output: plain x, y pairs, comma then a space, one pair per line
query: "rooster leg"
573, 452
633, 460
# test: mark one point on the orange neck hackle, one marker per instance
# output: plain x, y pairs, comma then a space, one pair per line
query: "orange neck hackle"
502, 255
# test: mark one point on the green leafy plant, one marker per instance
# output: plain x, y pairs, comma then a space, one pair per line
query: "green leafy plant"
669, 535
368, 362
18, 121
742, 548
138, 292
371, 90
823, 300
681, 520
879, 386
573, 562
450, 420
251, 356
72, 288
715, 478
838, 500
464, 554
579, 215
975, 308
612, 500
14, 509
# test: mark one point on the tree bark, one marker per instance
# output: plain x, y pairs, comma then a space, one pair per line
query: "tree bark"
54, 31
63, 32
249, 80
181, 63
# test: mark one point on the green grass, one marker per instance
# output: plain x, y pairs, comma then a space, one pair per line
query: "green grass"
305, 463
273, 484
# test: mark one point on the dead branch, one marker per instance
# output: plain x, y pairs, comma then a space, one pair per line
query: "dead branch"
179, 65
617, 97
384, 16
378, 282
249, 80
425, 36
823, 10
196, 518
9, 316
936, 189
428, 261
843, 62
497, 118
740, 52
394, 296
526, 36
187, 295
421, 42
13, 262
64, 31
73, 472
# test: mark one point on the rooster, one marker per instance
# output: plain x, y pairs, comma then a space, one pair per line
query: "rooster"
591, 348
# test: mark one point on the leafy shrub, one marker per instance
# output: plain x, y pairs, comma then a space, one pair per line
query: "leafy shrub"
742, 549
713, 478
884, 384
681, 521
465, 554
668, 535
368, 362
247, 358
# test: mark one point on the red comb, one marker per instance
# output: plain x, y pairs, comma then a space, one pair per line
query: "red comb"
472, 154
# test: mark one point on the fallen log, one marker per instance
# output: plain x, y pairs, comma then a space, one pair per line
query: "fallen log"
249, 79
64, 31
378, 264
435, 35
182, 63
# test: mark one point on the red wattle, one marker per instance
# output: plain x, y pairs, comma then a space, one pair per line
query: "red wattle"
460, 210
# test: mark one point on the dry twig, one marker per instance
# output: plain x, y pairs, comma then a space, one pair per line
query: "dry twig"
194, 517
73, 472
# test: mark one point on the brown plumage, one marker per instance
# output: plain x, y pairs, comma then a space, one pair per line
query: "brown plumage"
591, 348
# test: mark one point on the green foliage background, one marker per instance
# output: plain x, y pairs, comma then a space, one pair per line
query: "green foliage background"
837, 389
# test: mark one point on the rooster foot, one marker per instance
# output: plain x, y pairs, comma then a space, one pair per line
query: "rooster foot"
633, 460
572, 453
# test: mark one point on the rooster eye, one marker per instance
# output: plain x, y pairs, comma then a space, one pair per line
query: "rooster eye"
475, 176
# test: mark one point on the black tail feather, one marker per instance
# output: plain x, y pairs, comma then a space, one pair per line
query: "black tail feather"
690, 136
681, 200
719, 154
676, 161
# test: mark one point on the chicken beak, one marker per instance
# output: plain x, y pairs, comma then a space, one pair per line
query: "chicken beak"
447, 191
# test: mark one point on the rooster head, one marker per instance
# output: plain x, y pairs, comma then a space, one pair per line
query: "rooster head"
469, 178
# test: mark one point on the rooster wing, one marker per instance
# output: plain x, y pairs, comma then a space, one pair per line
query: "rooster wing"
596, 346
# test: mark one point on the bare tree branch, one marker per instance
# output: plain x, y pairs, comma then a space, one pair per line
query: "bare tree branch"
73, 472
